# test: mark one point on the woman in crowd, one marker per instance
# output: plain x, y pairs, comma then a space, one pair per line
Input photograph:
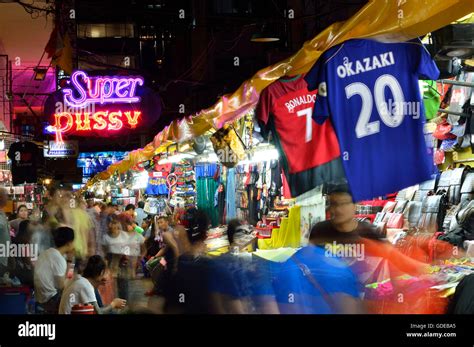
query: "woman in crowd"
21, 215
81, 291
113, 244
21, 265
164, 246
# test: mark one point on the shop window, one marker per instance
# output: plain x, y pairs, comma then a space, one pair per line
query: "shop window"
110, 30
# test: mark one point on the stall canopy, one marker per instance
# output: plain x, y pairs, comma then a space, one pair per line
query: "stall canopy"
389, 21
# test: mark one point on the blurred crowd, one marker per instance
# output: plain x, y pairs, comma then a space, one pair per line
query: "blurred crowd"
85, 256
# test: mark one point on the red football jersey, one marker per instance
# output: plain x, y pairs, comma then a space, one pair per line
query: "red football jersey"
286, 107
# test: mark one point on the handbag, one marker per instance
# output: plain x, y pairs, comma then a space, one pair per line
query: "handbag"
439, 156
400, 206
413, 212
228, 146
467, 188
457, 178
150, 264
433, 212
395, 221
443, 131
424, 189
448, 145
389, 206
379, 217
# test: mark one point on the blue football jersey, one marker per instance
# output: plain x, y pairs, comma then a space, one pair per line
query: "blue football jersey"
370, 89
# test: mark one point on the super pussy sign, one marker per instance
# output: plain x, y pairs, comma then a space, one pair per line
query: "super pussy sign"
113, 96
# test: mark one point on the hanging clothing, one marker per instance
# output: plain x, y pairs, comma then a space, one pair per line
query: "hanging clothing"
305, 147
286, 188
230, 195
205, 170
252, 193
206, 188
221, 204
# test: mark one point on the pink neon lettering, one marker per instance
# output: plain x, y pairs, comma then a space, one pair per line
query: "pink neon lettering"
102, 90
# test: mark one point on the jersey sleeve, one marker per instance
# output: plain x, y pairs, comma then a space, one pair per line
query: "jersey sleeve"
264, 107
317, 79
426, 67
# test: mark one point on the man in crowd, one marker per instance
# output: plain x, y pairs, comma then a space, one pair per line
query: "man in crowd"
141, 214
51, 270
342, 227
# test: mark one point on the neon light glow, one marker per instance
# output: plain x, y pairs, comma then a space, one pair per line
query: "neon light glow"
85, 122
86, 90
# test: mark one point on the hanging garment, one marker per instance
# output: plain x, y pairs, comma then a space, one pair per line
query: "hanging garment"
359, 76
431, 98
221, 204
24, 158
285, 108
206, 188
156, 184
205, 170
230, 195
286, 188
252, 192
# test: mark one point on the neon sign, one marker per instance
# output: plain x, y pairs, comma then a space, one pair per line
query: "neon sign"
85, 90
98, 121
103, 90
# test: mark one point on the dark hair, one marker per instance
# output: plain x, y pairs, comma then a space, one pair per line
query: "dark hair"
163, 217
20, 207
141, 204
126, 220
62, 236
338, 189
130, 207
232, 229
314, 231
114, 221
22, 236
198, 226
95, 267
111, 205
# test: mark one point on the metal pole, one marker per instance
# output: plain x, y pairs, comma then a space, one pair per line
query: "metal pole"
457, 83
454, 113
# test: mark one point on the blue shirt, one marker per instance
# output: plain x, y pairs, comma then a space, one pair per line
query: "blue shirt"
370, 89
296, 294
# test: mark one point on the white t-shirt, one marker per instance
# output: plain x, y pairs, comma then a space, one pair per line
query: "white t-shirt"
78, 292
116, 245
50, 264
135, 240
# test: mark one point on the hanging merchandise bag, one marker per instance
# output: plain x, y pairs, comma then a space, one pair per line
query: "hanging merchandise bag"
448, 145
439, 157
443, 131
431, 98
228, 146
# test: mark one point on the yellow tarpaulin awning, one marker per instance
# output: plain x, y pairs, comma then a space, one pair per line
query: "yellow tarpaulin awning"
384, 20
